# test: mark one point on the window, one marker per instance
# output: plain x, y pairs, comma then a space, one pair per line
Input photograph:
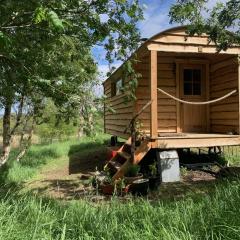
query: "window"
192, 81
117, 87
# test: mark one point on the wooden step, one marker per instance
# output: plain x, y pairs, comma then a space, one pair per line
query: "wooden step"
139, 154
125, 155
115, 164
127, 148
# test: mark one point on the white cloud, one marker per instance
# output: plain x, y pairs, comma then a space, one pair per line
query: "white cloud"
154, 25
104, 69
156, 18
211, 3
104, 18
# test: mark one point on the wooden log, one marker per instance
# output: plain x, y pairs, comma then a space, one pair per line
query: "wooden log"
153, 94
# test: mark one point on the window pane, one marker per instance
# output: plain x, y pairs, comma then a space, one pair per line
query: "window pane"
119, 85
196, 88
187, 75
113, 89
196, 75
192, 81
187, 88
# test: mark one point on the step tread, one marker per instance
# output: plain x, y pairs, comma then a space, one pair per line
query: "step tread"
115, 164
125, 155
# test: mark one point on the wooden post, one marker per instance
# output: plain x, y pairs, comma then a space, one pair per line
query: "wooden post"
238, 60
178, 105
207, 96
153, 95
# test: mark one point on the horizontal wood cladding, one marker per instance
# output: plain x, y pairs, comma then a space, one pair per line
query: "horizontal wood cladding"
116, 133
166, 107
118, 112
183, 39
143, 92
224, 115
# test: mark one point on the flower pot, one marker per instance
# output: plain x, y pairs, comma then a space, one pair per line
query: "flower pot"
154, 183
129, 180
140, 187
107, 189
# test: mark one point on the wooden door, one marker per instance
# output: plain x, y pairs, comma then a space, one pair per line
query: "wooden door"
193, 88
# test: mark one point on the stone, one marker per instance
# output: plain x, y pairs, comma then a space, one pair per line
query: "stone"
169, 166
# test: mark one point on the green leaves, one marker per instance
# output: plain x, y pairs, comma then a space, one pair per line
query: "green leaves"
221, 23
55, 21
43, 14
130, 74
40, 15
5, 41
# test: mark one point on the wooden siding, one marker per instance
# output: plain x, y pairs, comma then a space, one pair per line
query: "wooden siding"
174, 45
117, 112
176, 40
224, 115
166, 108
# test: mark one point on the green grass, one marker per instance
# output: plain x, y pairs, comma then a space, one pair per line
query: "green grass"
24, 215
46, 156
209, 217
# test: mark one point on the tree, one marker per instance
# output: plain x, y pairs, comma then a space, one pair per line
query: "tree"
221, 23
45, 49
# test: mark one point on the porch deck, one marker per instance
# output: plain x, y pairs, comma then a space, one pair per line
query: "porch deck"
195, 140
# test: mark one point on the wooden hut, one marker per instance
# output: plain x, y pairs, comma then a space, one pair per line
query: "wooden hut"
193, 89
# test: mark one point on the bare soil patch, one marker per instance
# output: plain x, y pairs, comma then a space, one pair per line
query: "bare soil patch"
72, 180
61, 183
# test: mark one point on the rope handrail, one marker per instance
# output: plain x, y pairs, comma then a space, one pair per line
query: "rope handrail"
197, 103
137, 114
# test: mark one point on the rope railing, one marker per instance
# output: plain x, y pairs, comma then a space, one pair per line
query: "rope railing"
132, 127
197, 103
132, 121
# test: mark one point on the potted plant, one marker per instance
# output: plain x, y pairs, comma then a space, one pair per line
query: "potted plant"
106, 186
133, 174
121, 187
154, 178
109, 187
139, 187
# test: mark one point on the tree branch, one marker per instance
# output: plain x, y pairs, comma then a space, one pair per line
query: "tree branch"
19, 116
16, 26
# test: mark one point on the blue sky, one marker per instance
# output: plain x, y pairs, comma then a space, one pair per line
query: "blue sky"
155, 20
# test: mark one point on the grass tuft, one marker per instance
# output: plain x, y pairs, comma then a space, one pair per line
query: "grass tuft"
25, 215
211, 217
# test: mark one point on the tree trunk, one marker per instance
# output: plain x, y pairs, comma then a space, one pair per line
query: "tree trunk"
28, 143
81, 128
21, 141
90, 124
8, 133
7, 137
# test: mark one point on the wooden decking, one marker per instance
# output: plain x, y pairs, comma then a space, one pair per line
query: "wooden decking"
192, 140
119, 164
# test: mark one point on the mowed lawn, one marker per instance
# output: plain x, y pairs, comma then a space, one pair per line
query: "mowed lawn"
40, 200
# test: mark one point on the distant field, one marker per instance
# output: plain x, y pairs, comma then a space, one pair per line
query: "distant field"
37, 140
16, 139
40, 200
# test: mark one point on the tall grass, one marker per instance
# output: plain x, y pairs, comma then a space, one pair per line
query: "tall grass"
211, 217
50, 155
28, 216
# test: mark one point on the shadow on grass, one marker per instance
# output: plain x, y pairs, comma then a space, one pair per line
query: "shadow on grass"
67, 189
191, 157
87, 157
16, 172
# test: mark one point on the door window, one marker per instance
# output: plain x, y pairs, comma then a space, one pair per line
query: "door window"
192, 82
